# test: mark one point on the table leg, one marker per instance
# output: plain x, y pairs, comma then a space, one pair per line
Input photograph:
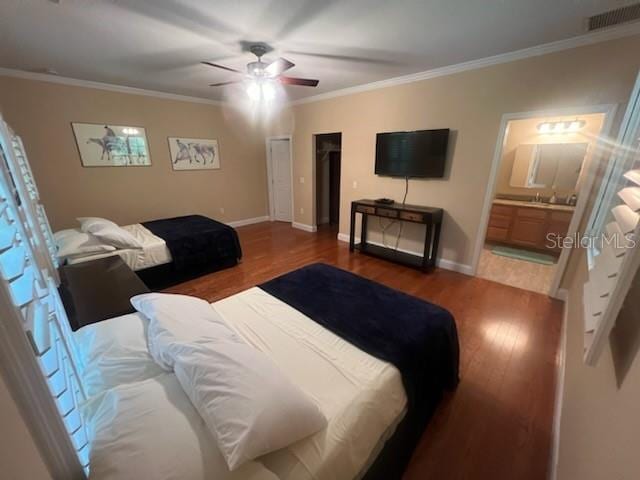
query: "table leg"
352, 230
436, 241
363, 231
428, 238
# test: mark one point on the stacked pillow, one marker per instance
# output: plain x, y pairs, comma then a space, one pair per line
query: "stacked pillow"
248, 404
95, 236
108, 232
75, 243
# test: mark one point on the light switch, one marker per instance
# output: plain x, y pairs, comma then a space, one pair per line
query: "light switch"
222, 210
301, 179
301, 211
355, 184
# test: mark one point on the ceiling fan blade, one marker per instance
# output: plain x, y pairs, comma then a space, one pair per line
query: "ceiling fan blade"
279, 66
221, 84
305, 82
221, 66
346, 58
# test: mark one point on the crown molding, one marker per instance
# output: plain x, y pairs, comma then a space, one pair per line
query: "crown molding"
591, 38
45, 77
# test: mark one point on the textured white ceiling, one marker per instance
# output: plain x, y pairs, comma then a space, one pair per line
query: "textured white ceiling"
158, 44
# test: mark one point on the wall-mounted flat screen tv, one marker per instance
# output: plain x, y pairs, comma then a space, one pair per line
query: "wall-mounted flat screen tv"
421, 153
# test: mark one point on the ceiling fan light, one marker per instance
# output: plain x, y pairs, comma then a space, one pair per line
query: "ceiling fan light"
268, 91
253, 91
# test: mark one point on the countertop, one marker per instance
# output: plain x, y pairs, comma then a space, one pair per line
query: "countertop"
546, 206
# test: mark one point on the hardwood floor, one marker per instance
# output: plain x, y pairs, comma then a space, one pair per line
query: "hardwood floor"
497, 424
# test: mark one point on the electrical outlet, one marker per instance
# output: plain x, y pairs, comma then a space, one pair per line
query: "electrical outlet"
355, 184
301, 179
222, 210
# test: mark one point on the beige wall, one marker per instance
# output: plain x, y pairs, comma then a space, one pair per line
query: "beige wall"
526, 132
600, 422
42, 114
19, 456
471, 104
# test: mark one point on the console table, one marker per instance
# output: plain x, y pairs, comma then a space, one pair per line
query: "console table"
429, 216
99, 289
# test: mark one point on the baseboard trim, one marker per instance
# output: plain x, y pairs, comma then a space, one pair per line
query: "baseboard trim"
304, 227
248, 221
441, 262
563, 295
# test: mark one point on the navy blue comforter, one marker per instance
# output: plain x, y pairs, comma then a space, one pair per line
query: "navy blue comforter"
195, 241
419, 338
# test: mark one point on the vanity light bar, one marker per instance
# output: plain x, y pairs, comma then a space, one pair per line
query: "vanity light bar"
561, 127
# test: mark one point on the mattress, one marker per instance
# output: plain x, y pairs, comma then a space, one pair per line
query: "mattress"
154, 250
362, 397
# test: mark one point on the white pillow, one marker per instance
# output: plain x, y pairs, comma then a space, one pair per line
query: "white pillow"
150, 430
89, 224
115, 352
75, 243
116, 236
178, 318
249, 405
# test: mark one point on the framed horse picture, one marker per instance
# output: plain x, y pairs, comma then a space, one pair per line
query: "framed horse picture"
194, 153
104, 145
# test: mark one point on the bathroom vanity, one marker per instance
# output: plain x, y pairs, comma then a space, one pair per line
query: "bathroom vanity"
527, 224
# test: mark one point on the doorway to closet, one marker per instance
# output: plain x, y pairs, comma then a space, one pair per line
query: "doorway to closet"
327, 175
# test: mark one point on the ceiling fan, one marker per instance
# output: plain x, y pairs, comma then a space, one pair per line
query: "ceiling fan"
261, 72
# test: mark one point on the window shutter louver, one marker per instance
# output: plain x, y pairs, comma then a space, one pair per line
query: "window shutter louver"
36, 342
602, 302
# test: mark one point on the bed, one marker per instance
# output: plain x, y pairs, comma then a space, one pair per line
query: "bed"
154, 250
170, 251
144, 425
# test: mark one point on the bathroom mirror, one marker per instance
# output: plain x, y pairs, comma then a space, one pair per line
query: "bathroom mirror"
551, 165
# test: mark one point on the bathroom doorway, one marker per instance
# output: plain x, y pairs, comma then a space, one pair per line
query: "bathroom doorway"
542, 173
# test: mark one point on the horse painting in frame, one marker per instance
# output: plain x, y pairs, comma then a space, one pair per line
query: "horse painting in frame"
107, 145
194, 153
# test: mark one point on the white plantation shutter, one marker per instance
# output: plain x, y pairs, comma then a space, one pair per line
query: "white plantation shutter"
37, 352
618, 256
34, 213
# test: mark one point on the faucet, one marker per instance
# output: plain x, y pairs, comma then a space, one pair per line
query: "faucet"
537, 199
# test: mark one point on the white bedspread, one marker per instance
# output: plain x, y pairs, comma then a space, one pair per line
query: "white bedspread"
361, 396
154, 250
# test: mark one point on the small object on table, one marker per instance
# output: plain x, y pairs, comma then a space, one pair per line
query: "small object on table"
97, 290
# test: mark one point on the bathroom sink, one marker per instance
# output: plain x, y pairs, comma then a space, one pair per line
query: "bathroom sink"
533, 204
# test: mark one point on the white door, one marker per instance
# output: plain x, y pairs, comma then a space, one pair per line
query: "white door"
281, 179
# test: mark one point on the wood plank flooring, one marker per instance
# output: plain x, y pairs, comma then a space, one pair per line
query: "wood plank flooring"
497, 424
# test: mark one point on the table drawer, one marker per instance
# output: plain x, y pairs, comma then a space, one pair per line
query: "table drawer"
386, 212
365, 209
412, 216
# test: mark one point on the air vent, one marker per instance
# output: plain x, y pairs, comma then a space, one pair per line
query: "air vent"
615, 17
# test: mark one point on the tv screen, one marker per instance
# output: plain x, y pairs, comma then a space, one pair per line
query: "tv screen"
412, 154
